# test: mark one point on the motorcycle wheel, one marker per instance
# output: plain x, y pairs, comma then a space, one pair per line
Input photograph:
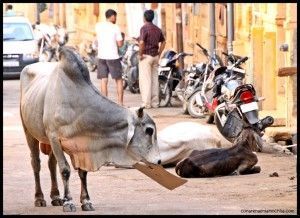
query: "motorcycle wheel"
125, 84
210, 119
134, 88
194, 109
164, 99
91, 67
185, 108
219, 127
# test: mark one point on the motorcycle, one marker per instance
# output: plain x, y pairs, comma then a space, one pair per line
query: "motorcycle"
198, 96
50, 39
239, 112
235, 104
130, 65
91, 58
169, 76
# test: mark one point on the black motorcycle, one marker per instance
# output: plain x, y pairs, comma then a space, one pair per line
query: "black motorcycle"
49, 44
169, 76
197, 100
237, 102
194, 79
91, 58
130, 65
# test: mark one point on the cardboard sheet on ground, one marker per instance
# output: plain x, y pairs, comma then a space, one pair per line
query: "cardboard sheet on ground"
160, 175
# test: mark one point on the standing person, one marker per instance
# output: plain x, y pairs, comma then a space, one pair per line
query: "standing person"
9, 10
109, 39
123, 48
152, 43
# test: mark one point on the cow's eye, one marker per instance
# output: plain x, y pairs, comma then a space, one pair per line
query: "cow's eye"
149, 131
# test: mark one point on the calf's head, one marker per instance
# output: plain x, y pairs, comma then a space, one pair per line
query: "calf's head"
142, 137
252, 139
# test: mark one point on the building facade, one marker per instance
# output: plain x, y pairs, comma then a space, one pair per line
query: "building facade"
259, 31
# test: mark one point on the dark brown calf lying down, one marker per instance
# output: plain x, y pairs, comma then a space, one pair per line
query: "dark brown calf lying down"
223, 161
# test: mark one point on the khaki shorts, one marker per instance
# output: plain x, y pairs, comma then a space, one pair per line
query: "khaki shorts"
113, 67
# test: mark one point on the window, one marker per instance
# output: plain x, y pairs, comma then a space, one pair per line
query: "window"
17, 32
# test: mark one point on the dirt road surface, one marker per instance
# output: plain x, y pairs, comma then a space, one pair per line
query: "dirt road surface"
128, 191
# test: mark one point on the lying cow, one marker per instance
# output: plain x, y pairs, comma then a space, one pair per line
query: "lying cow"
177, 141
63, 111
224, 161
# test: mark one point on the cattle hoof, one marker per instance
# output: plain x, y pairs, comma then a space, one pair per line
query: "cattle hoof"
69, 207
57, 202
40, 203
257, 169
87, 207
234, 173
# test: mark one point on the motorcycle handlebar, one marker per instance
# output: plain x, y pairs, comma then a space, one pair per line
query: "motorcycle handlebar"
203, 49
225, 53
232, 55
183, 54
242, 60
188, 54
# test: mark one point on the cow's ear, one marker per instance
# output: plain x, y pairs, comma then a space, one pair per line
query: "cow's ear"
140, 112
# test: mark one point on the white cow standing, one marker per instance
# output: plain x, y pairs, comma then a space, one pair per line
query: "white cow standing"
63, 112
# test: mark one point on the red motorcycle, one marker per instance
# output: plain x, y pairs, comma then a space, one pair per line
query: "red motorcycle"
237, 104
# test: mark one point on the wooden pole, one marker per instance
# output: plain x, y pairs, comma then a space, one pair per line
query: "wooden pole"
38, 20
64, 23
56, 12
212, 28
163, 21
179, 33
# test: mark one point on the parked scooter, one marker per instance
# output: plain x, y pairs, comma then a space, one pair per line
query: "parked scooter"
194, 78
169, 76
50, 39
130, 65
91, 58
198, 98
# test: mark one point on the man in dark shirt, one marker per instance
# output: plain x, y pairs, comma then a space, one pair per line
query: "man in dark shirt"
152, 43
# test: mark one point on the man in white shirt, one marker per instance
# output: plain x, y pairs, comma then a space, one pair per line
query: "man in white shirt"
109, 39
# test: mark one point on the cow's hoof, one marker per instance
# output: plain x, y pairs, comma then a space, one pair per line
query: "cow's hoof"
234, 173
69, 207
256, 169
40, 203
57, 202
87, 207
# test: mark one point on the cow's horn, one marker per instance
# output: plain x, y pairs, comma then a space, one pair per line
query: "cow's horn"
140, 112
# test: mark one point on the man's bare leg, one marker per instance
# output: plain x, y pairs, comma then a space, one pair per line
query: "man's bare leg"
120, 91
103, 86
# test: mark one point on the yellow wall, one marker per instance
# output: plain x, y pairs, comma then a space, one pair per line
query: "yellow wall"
259, 30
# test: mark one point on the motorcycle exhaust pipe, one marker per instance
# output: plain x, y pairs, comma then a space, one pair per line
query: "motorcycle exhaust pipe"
265, 122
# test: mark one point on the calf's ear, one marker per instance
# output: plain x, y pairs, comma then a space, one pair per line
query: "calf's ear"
140, 112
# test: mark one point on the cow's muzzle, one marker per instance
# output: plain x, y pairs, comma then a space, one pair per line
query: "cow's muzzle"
147, 162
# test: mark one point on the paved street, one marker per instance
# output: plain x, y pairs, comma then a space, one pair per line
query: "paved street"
127, 191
